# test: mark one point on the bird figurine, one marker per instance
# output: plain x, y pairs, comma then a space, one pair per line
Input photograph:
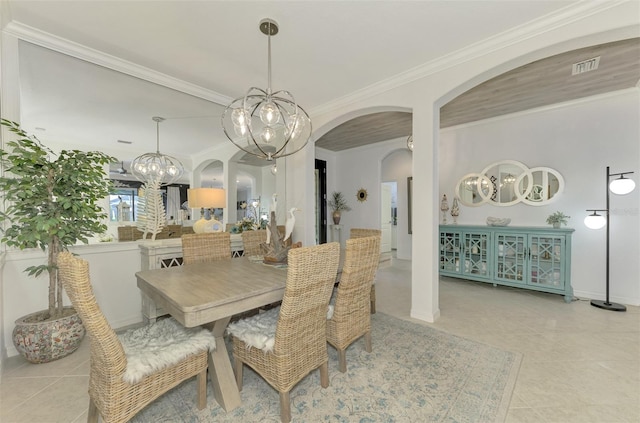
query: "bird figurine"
291, 221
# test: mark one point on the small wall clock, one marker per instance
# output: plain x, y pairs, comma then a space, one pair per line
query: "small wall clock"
362, 195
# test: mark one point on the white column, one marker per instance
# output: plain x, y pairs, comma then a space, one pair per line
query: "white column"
424, 222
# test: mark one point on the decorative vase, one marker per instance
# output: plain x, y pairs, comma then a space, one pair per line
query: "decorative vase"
336, 217
44, 341
556, 225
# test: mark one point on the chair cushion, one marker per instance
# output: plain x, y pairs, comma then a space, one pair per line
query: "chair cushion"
258, 331
332, 303
159, 345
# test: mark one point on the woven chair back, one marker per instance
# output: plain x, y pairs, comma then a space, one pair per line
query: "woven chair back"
352, 306
107, 354
362, 232
252, 240
301, 329
206, 247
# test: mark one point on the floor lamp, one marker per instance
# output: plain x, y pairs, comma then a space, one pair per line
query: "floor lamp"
620, 186
207, 198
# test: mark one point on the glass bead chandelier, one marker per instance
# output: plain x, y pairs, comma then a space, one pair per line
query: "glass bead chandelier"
264, 123
157, 167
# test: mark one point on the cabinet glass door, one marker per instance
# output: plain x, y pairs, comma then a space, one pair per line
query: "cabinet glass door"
476, 257
510, 257
450, 251
546, 254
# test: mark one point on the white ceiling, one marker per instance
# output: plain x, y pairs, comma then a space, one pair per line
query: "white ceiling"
325, 50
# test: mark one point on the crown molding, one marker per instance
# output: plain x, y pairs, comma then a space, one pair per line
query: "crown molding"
549, 22
79, 51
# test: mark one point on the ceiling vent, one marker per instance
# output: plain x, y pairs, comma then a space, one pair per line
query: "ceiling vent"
585, 66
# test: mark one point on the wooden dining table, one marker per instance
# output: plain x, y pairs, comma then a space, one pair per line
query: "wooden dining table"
210, 294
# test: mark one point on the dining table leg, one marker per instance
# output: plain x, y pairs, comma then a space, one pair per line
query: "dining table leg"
225, 390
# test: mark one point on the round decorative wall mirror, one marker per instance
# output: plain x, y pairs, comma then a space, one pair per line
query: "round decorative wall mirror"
474, 189
547, 184
509, 182
504, 175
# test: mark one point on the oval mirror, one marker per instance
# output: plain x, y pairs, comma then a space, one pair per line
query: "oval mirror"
547, 185
511, 182
474, 189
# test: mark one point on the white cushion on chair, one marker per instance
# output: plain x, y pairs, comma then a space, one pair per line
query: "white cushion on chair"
258, 331
160, 345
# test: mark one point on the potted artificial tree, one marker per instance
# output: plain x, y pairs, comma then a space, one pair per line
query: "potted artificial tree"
49, 202
338, 204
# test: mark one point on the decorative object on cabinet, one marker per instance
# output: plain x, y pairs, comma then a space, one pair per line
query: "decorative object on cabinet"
455, 211
207, 198
620, 186
338, 204
444, 206
361, 195
157, 167
498, 221
264, 123
558, 219
510, 182
523, 257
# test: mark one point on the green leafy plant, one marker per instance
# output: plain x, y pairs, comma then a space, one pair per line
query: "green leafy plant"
558, 218
50, 201
338, 202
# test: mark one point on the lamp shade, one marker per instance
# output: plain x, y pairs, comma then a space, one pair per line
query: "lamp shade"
207, 198
595, 221
622, 185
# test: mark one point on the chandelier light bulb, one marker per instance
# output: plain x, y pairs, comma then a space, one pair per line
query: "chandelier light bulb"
622, 185
274, 169
595, 221
240, 130
238, 117
267, 134
269, 114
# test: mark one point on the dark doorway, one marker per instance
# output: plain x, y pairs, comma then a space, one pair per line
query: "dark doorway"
321, 201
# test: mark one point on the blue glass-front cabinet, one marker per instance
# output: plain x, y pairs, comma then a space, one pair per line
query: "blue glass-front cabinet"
523, 257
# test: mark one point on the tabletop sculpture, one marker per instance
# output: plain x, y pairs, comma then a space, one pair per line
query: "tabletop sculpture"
276, 249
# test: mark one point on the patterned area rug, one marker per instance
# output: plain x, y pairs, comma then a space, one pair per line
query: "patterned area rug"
414, 374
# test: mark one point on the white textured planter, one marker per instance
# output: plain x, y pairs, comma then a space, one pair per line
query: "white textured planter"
45, 341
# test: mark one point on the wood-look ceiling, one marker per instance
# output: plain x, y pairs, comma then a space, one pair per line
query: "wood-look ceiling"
540, 83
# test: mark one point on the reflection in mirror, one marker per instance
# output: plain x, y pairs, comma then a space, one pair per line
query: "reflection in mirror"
509, 182
474, 189
547, 184
504, 175
257, 182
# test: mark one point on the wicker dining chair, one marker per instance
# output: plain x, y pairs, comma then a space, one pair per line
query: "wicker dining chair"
285, 344
252, 241
123, 376
349, 316
206, 247
359, 233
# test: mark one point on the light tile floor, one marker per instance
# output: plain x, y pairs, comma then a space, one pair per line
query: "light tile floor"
581, 364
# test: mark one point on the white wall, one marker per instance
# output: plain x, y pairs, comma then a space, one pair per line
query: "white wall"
396, 167
351, 170
112, 267
579, 140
